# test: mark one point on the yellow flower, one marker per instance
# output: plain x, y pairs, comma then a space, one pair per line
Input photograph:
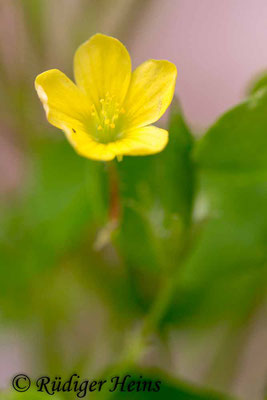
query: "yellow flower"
109, 112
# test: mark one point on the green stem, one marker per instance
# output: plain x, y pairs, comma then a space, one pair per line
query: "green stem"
138, 342
114, 208
137, 345
114, 195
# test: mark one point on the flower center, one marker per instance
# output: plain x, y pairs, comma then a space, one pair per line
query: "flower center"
107, 119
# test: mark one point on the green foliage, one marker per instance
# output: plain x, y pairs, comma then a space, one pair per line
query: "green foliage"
157, 196
259, 83
31, 394
169, 389
64, 200
224, 278
236, 143
194, 215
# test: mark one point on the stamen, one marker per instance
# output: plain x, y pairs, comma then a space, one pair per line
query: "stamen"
107, 118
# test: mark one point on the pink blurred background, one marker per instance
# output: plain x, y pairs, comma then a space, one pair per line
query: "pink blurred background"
217, 45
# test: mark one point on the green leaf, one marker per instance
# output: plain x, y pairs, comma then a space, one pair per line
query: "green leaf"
157, 191
63, 201
157, 195
224, 277
178, 170
168, 389
237, 142
31, 394
259, 83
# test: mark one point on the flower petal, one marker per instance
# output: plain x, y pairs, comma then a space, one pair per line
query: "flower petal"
137, 142
88, 147
65, 105
150, 93
103, 65
141, 141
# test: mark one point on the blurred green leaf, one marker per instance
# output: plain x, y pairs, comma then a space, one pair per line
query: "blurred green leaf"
237, 142
167, 177
31, 394
259, 83
158, 190
63, 201
169, 389
225, 275
178, 172
157, 195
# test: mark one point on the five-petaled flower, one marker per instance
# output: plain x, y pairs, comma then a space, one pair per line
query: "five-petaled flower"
110, 111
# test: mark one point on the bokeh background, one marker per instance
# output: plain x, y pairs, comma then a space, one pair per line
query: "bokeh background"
67, 300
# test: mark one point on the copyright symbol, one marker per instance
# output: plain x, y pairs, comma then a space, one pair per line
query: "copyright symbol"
21, 383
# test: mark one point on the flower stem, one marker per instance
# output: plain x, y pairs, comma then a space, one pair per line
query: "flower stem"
138, 341
114, 211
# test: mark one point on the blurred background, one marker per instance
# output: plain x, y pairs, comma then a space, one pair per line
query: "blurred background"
69, 296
